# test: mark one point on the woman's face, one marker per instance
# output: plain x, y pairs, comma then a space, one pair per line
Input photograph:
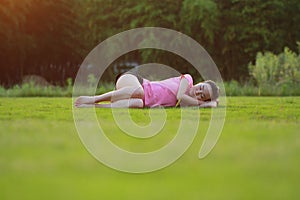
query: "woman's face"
201, 91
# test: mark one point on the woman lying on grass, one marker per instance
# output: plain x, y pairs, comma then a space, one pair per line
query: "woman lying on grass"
135, 92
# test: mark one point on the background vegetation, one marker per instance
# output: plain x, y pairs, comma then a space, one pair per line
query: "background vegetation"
51, 38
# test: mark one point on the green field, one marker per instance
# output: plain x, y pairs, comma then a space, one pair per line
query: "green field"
256, 157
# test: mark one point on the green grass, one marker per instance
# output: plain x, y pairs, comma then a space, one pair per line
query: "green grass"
256, 157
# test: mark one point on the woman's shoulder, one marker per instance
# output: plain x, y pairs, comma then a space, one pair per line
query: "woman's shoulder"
189, 78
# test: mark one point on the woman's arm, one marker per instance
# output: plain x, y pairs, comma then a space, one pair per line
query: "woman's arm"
190, 101
182, 98
187, 100
210, 104
183, 86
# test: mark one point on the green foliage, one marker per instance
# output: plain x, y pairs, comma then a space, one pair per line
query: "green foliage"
199, 18
246, 27
234, 88
265, 68
280, 73
36, 35
31, 89
91, 80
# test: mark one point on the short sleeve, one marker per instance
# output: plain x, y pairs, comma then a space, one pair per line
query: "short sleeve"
189, 78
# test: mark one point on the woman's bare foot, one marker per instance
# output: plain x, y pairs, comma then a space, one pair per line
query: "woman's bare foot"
86, 106
84, 100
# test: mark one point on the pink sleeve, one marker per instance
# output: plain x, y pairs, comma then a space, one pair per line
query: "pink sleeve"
189, 78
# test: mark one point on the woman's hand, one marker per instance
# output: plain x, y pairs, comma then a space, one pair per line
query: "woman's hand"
200, 102
209, 104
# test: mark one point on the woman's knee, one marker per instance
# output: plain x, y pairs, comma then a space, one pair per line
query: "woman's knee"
138, 93
127, 80
136, 103
132, 84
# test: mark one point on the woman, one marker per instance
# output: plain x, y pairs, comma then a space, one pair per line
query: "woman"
133, 91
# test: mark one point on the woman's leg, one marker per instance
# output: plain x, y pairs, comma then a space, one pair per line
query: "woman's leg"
125, 103
127, 87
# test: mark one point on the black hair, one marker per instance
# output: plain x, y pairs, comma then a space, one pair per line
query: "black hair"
215, 90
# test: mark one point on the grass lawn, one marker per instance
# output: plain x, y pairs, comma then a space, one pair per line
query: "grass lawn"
256, 157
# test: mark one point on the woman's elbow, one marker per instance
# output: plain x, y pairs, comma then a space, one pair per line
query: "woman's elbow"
179, 96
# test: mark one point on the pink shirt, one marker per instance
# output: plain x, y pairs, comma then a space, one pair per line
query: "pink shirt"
163, 93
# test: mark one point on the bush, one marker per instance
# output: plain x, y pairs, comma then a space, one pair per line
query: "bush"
234, 88
32, 89
277, 74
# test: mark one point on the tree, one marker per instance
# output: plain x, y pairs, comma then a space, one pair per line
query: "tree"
35, 34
